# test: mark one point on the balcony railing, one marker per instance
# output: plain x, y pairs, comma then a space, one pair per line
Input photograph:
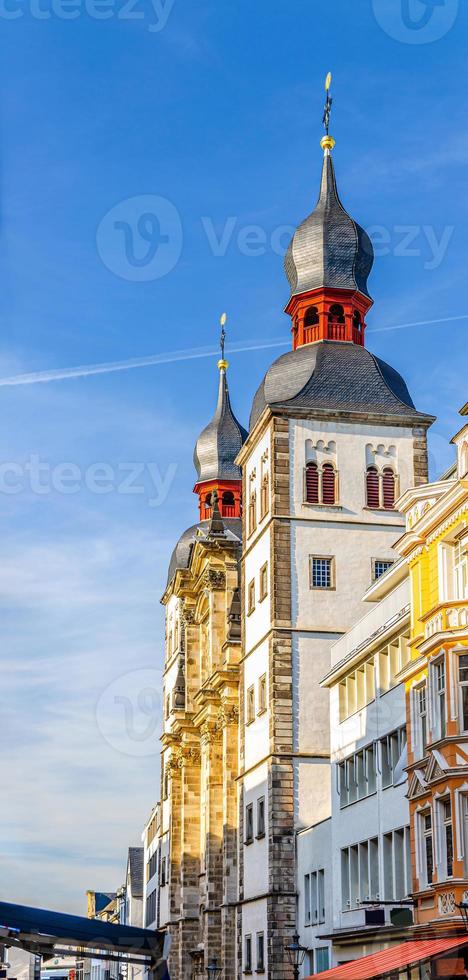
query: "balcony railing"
451, 617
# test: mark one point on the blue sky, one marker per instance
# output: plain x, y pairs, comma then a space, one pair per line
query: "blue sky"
149, 167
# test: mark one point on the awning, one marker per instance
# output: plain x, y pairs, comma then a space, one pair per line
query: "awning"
391, 960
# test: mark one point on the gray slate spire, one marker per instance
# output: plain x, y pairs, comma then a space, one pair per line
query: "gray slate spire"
329, 249
221, 441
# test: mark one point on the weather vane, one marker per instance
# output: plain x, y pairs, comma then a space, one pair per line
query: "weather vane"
223, 333
328, 104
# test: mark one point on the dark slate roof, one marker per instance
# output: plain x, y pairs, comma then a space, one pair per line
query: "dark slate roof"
136, 870
219, 444
181, 554
329, 248
334, 376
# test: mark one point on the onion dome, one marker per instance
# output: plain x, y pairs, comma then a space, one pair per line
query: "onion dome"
329, 249
180, 558
334, 377
220, 442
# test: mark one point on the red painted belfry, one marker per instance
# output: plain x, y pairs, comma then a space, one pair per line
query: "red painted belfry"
216, 450
327, 264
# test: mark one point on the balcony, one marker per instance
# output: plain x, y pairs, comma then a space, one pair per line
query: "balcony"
447, 618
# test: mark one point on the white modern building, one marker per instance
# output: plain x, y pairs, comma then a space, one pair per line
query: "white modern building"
359, 903
151, 865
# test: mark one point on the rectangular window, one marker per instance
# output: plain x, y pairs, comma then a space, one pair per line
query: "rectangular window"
251, 597
252, 512
261, 817
397, 865
421, 718
357, 690
379, 567
321, 895
463, 681
321, 572
428, 850
359, 873
262, 694
460, 571
322, 959
260, 952
263, 582
248, 955
163, 872
307, 908
249, 829
447, 837
440, 698
250, 704
391, 749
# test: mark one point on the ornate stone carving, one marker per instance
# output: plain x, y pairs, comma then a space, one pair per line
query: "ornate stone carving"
190, 755
188, 615
210, 733
228, 714
214, 579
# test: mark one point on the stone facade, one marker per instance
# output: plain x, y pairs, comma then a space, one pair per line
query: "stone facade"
200, 760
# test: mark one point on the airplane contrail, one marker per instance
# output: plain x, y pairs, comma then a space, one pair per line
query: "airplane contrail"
170, 357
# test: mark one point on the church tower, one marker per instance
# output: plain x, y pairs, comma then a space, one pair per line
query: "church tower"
334, 439
199, 761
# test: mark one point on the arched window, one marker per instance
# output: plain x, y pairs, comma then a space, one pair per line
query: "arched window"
388, 488
312, 483
372, 487
357, 320
207, 504
264, 495
311, 317
328, 484
336, 313
227, 504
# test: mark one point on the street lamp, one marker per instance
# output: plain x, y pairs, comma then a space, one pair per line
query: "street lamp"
296, 954
213, 971
464, 913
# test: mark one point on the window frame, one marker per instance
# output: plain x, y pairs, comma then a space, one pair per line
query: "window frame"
260, 952
248, 953
251, 597
389, 562
261, 824
332, 573
262, 694
250, 704
249, 824
263, 582
462, 685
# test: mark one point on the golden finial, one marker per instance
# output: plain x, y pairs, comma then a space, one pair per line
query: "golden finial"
327, 142
223, 364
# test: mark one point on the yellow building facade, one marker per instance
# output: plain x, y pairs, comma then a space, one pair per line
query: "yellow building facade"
435, 545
